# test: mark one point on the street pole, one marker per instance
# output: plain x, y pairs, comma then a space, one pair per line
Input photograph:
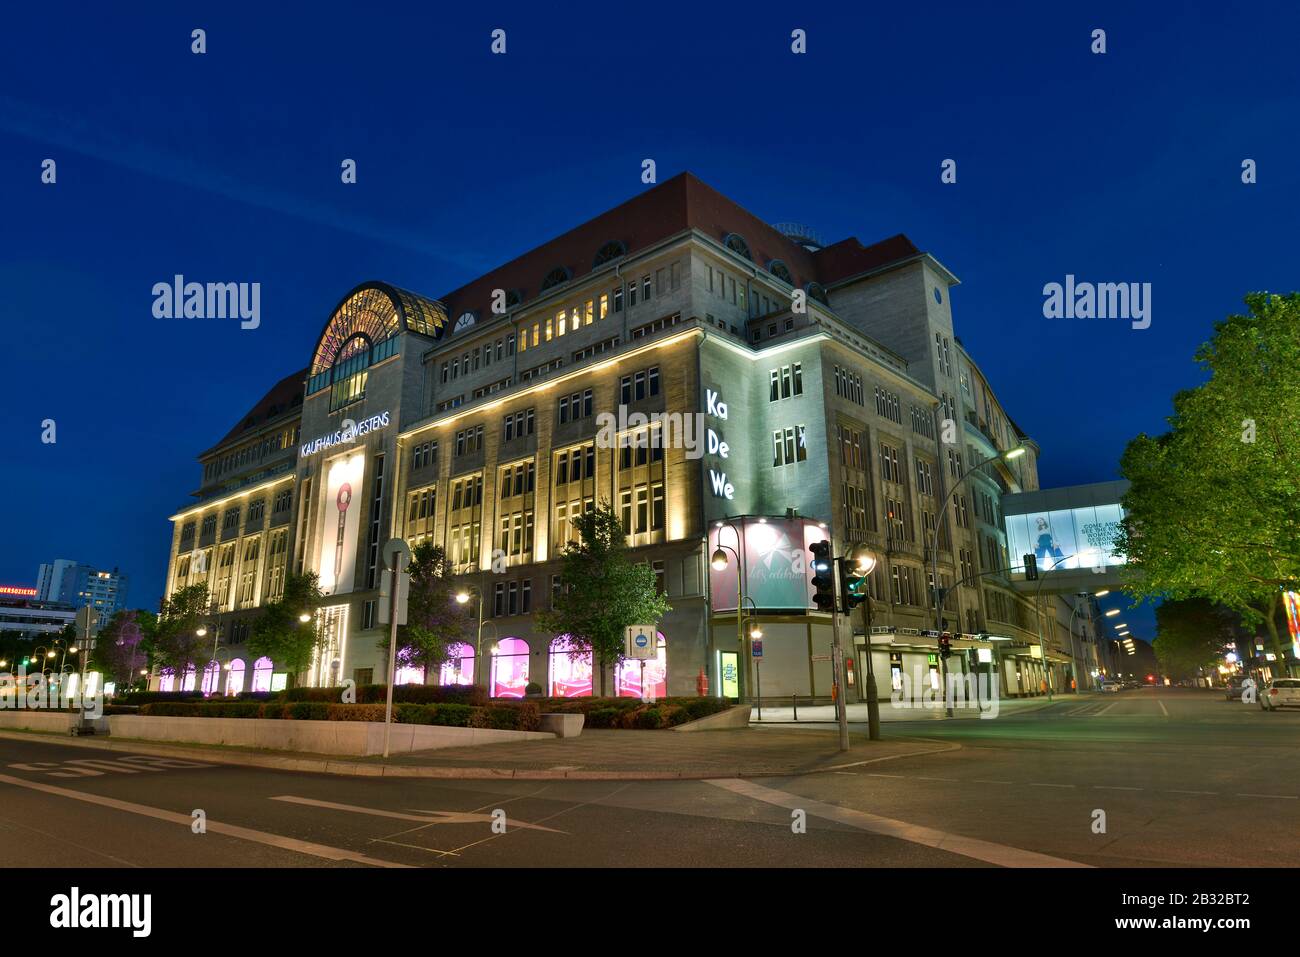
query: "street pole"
837, 665
873, 703
392, 656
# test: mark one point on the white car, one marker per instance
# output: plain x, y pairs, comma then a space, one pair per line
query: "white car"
1280, 693
1110, 686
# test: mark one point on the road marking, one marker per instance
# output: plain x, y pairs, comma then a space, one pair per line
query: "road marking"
230, 830
1163, 709
982, 781
1000, 854
1288, 797
1039, 784
439, 817
1107, 708
1176, 791
1113, 787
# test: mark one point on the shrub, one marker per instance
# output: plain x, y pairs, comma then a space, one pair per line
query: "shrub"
533, 688
356, 712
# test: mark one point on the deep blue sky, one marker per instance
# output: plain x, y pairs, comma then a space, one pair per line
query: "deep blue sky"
1122, 167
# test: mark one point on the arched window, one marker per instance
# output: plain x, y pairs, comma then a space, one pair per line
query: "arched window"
166, 680
781, 271
818, 292
509, 675
235, 677
609, 252
188, 680
570, 670
458, 669
211, 678
556, 277
407, 673
736, 243
630, 671
263, 669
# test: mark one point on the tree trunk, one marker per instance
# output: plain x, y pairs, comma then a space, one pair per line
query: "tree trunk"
602, 677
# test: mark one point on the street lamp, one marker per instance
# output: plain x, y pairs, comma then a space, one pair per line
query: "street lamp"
719, 563
863, 562
940, 593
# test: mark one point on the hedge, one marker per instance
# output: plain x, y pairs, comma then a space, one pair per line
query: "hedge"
470, 695
522, 717
632, 712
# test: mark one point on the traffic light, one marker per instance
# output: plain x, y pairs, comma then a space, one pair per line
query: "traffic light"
822, 579
945, 645
853, 586
1031, 568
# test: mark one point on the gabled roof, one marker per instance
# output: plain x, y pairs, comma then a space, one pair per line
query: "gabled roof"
284, 396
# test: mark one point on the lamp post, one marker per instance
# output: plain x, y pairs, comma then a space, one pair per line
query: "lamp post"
940, 593
462, 598
752, 631
864, 563
719, 562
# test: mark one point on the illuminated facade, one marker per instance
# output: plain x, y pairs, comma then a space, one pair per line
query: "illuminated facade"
688, 363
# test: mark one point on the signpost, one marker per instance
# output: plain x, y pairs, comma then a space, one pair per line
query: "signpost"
641, 642
397, 555
87, 625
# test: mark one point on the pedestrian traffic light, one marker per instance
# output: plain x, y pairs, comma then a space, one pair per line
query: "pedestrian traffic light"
1031, 568
853, 586
822, 579
945, 645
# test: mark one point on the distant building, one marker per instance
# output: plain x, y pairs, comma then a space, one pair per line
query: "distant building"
32, 619
77, 584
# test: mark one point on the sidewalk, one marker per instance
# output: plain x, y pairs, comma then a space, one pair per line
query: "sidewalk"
596, 755
914, 711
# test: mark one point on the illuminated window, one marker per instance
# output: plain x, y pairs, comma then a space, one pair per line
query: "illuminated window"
458, 669
570, 670
263, 669
628, 676
187, 682
235, 677
211, 678
509, 669
166, 680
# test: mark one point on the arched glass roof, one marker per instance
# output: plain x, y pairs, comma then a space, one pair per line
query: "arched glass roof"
376, 311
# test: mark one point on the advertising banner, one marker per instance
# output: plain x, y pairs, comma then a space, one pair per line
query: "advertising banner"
775, 555
1067, 538
338, 533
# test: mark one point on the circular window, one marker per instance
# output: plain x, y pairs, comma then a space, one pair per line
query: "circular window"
464, 322
938, 296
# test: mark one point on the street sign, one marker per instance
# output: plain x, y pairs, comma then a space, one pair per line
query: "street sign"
397, 554
640, 642
821, 657
756, 644
385, 597
87, 621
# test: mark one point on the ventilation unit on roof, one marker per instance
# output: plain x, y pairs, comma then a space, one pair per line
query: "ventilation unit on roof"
801, 233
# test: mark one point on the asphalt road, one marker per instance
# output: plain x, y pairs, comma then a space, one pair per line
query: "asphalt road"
1150, 777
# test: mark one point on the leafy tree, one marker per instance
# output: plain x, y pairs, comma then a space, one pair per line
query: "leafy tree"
434, 619
1191, 634
121, 649
1211, 512
279, 633
603, 590
176, 643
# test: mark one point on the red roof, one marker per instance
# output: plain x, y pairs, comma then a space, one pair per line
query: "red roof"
284, 396
670, 208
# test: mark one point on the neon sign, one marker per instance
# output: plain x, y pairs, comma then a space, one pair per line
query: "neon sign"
350, 432
717, 409
17, 590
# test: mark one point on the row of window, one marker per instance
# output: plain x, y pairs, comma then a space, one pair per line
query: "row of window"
252, 453
785, 382
230, 518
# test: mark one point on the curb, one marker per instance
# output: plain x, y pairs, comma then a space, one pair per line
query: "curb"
360, 769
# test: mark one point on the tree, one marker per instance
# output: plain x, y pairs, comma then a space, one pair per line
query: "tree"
279, 633
1211, 512
602, 590
121, 649
1191, 634
434, 619
176, 642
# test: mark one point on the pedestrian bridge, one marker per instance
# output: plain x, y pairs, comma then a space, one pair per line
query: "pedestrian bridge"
1071, 533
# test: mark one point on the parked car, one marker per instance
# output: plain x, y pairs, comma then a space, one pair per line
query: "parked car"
1233, 689
1109, 686
1280, 693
